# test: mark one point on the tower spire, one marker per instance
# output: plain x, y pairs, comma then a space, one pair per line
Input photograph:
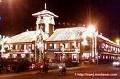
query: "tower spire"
45, 6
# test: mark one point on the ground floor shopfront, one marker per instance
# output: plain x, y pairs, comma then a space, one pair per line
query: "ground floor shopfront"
74, 51
70, 51
66, 57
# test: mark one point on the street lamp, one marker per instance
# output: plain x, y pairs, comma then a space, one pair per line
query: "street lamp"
93, 34
118, 41
91, 28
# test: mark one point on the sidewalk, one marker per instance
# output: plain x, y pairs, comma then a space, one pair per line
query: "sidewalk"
34, 72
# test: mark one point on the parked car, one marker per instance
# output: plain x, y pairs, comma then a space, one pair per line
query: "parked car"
116, 63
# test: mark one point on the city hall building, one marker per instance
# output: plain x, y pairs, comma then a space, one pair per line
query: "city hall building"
75, 44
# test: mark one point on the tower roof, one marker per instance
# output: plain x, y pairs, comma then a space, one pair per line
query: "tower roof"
44, 12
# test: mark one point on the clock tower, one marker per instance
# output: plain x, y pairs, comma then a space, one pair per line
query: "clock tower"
45, 21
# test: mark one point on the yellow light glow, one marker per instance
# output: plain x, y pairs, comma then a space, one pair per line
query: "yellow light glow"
91, 28
118, 41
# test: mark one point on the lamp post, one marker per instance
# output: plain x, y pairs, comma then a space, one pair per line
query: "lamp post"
77, 54
62, 50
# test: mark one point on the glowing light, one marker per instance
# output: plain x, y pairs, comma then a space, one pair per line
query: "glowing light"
89, 31
86, 55
23, 55
116, 63
2, 50
84, 42
14, 55
118, 41
91, 28
5, 55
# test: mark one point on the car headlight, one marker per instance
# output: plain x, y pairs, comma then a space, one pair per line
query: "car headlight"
60, 67
116, 63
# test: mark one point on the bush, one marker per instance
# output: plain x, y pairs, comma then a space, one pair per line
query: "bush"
22, 65
71, 64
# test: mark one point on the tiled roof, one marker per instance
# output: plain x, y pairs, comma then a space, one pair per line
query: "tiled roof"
108, 40
67, 34
28, 36
43, 12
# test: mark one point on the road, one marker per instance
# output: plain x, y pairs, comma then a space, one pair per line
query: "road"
88, 72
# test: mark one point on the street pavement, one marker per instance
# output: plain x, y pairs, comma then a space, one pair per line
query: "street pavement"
37, 71
81, 72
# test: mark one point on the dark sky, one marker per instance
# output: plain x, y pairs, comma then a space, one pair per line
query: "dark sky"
16, 15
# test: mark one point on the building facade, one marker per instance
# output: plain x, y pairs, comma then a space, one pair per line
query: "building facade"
30, 43
74, 44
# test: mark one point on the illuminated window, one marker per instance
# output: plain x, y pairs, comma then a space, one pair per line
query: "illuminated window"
74, 57
51, 46
45, 46
25, 47
33, 46
66, 45
79, 45
16, 47
55, 46
103, 57
86, 55
118, 50
14, 55
113, 48
106, 46
113, 57
106, 57
103, 45
23, 55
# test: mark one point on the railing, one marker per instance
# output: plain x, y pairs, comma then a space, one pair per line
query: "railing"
66, 50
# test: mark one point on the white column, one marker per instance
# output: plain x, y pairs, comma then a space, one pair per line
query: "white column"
93, 43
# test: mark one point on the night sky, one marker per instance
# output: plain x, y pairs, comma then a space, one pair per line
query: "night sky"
16, 15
